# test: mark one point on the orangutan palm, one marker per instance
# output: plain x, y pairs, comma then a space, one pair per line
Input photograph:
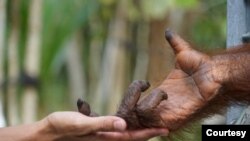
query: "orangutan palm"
189, 87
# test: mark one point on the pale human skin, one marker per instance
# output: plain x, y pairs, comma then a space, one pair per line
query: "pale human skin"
74, 126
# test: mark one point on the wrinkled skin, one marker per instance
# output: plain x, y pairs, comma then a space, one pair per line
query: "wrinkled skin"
190, 86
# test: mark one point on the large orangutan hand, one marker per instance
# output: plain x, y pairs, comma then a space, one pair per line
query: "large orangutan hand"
190, 86
186, 90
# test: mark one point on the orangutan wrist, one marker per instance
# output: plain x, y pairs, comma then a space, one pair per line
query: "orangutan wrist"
232, 70
221, 69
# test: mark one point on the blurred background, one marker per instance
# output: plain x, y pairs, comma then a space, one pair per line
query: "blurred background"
56, 51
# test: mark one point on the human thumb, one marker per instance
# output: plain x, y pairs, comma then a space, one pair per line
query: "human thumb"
106, 123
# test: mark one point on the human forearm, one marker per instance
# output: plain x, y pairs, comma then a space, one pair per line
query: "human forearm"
31, 132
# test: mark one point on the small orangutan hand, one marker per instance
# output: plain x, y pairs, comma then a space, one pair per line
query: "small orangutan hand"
137, 115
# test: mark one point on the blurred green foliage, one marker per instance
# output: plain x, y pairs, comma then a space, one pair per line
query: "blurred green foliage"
61, 18
203, 24
209, 31
186, 3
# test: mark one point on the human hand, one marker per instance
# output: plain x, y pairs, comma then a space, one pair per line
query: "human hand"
75, 126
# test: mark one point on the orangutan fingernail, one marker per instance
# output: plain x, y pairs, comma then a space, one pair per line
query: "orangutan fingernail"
145, 86
168, 34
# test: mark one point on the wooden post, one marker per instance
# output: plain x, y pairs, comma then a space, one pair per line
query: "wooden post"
238, 16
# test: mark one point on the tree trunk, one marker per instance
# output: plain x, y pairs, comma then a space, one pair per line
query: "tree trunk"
161, 56
30, 97
75, 69
95, 61
142, 57
13, 65
111, 85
